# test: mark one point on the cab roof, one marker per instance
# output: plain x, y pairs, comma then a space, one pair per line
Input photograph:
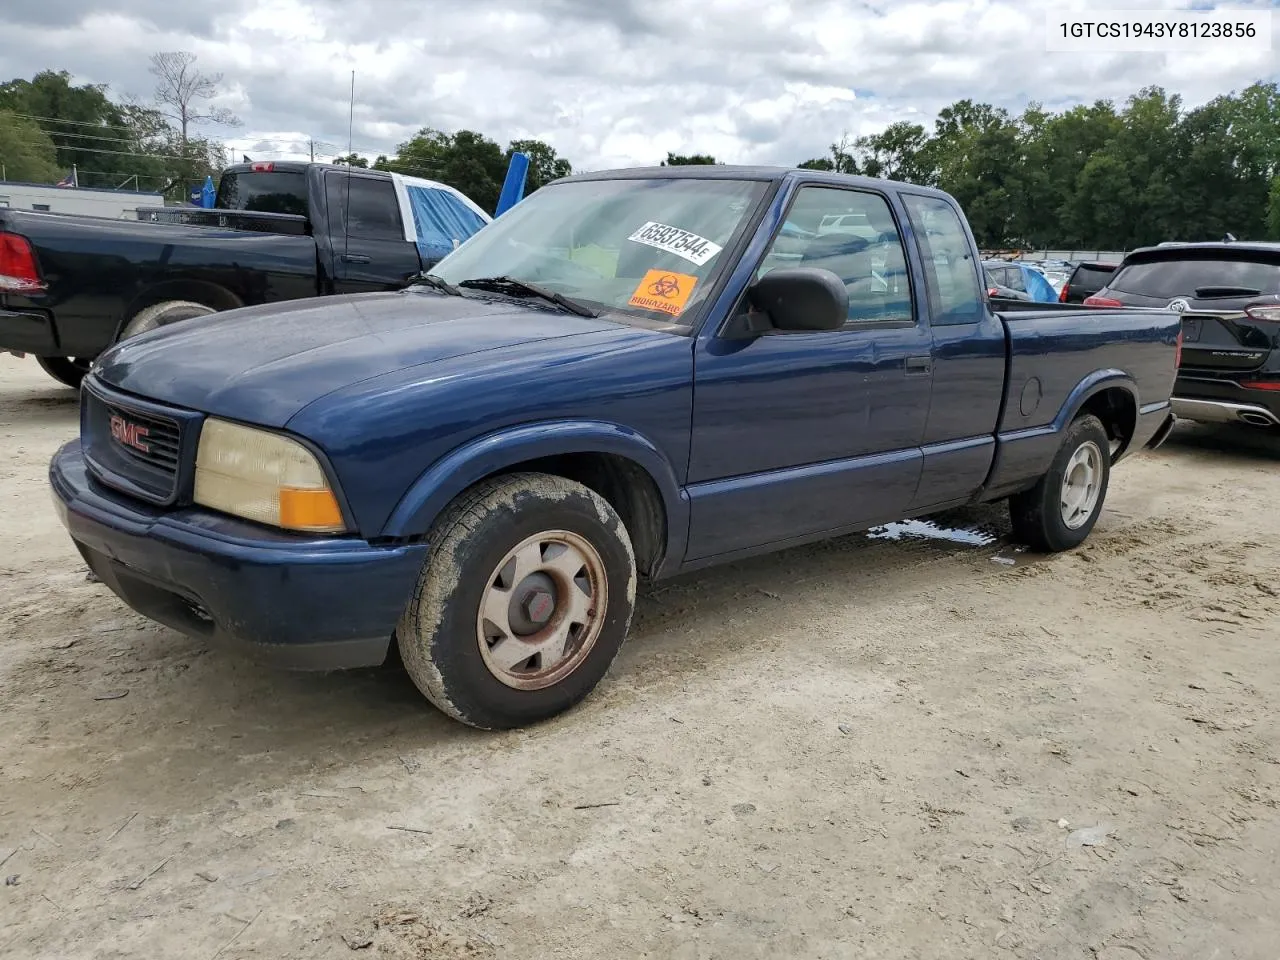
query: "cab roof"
726, 171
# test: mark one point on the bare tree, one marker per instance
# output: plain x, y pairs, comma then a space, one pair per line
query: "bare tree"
181, 90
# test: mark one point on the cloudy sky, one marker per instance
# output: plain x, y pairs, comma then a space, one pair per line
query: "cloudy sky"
606, 82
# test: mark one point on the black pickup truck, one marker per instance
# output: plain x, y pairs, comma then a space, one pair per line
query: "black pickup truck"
70, 286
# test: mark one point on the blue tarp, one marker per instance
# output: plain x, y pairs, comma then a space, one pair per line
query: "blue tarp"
513, 186
1041, 290
442, 220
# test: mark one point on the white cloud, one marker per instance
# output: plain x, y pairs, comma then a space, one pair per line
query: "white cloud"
606, 82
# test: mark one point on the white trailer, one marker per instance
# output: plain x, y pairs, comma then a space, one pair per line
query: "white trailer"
112, 204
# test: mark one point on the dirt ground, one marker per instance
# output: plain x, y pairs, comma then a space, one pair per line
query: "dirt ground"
873, 748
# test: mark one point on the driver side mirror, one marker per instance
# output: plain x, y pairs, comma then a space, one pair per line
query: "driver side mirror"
796, 300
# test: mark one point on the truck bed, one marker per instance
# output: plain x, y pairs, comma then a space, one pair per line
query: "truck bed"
98, 269
1058, 354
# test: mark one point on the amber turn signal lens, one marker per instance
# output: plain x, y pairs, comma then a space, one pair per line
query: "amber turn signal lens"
309, 510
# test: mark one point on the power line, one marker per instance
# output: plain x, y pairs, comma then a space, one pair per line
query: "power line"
78, 123
119, 153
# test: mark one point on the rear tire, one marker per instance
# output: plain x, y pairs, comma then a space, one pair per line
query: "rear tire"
163, 314
524, 600
68, 371
1060, 511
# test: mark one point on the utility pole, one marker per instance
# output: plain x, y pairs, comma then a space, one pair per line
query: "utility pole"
313, 149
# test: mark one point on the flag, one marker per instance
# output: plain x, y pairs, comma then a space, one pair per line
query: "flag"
68, 181
245, 159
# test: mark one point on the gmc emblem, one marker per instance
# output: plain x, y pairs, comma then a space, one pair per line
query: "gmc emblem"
129, 434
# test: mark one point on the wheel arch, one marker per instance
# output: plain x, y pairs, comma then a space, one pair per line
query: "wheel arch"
205, 292
1112, 397
618, 463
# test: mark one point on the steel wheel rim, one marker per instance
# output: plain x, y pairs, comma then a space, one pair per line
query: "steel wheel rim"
1081, 485
525, 644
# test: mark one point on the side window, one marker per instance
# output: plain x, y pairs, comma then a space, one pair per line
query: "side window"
949, 270
1016, 279
372, 213
852, 234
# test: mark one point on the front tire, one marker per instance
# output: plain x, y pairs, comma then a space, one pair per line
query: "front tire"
524, 600
68, 371
1060, 511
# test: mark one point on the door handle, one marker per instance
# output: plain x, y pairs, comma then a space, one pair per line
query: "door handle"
356, 258
920, 366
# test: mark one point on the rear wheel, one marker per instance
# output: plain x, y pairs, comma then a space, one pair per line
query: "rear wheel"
524, 601
66, 370
163, 314
1060, 511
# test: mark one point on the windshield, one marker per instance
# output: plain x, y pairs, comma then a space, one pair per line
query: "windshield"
275, 192
648, 248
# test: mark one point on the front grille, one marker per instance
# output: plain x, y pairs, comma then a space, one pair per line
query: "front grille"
158, 447
137, 451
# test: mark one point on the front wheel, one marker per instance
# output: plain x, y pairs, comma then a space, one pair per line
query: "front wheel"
1060, 511
524, 601
68, 371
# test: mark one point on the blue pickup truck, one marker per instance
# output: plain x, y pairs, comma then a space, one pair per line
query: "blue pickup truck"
630, 374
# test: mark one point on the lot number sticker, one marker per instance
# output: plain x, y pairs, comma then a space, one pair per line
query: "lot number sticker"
664, 291
697, 250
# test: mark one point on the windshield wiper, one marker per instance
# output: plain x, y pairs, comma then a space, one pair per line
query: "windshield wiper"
1209, 293
516, 288
435, 283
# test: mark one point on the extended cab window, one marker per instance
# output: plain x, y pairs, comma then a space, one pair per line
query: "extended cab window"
372, 213
949, 268
853, 234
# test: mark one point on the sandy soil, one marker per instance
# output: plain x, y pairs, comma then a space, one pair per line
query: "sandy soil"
863, 749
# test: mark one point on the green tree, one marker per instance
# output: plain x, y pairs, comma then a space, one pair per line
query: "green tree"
1273, 211
465, 160
26, 151
687, 160
351, 160
897, 153
974, 152
110, 144
839, 160
544, 164
1127, 193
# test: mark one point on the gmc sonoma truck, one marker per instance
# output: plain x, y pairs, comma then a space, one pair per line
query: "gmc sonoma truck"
71, 286
636, 373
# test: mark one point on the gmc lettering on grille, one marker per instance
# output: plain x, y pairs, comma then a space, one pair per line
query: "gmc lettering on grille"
129, 434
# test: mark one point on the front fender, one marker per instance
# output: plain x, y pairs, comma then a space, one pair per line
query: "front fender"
490, 454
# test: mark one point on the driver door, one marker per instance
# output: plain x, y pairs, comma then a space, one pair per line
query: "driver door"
799, 434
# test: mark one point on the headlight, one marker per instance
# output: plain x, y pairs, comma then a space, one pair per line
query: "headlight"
263, 476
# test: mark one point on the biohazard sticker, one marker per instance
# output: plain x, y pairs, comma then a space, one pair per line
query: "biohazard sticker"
697, 250
663, 291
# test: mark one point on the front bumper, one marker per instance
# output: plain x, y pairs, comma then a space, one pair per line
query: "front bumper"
304, 604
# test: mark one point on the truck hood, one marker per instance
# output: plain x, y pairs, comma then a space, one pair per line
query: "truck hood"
264, 364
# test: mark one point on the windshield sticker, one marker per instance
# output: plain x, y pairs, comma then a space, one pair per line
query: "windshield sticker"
697, 250
663, 291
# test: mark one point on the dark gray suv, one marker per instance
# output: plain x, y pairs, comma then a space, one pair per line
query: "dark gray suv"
1229, 298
